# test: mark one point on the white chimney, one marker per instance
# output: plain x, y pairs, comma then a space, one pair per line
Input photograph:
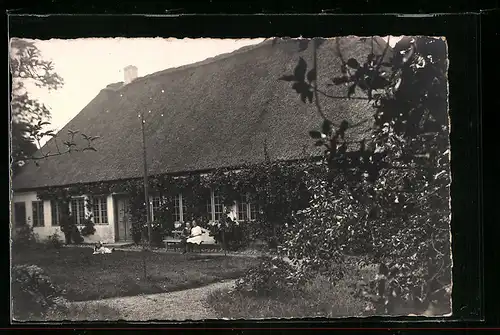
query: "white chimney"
130, 74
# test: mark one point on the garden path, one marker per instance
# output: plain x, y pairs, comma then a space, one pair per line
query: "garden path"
176, 306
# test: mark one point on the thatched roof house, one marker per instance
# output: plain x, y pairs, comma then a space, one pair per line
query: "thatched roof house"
222, 112
215, 113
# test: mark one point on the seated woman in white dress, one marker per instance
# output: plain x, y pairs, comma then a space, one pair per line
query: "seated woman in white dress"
196, 234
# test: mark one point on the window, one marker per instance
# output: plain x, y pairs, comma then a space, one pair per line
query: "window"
55, 209
218, 207
100, 209
37, 208
245, 209
78, 210
180, 209
156, 204
184, 216
19, 214
254, 210
209, 208
242, 208
215, 207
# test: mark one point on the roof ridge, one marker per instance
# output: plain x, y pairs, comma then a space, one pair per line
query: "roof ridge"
214, 59
206, 61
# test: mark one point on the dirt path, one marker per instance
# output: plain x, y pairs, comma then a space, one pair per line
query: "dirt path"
178, 306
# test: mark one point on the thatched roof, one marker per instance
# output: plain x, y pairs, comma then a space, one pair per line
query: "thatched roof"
219, 112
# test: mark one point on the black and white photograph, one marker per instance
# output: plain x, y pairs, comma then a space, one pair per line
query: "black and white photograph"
186, 179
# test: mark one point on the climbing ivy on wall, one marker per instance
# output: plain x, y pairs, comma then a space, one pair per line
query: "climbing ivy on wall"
276, 188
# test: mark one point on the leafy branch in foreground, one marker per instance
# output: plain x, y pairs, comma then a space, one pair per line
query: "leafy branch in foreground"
30, 118
388, 201
36, 133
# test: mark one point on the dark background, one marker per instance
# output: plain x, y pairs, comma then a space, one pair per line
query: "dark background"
471, 36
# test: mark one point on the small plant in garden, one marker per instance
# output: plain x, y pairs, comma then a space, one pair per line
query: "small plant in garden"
88, 227
24, 237
54, 241
33, 293
272, 276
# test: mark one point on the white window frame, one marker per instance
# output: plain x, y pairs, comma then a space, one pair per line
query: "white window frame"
152, 199
40, 218
180, 208
98, 220
77, 218
55, 208
212, 203
248, 208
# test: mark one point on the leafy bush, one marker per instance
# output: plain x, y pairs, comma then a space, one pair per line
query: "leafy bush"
24, 237
88, 228
33, 294
319, 297
158, 231
54, 241
389, 199
272, 277
76, 236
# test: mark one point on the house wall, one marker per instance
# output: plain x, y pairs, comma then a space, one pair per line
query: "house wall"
104, 232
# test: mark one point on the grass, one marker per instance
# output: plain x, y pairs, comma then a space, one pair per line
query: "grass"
319, 298
83, 276
88, 312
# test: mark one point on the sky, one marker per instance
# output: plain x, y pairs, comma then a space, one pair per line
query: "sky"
89, 65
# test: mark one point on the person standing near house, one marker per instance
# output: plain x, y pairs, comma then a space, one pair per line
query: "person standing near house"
186, 232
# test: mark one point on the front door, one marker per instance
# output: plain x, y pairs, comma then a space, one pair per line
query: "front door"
124, 222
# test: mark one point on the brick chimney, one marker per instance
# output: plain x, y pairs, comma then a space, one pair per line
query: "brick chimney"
130, 74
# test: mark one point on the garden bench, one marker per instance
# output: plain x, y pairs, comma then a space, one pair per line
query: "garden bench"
173, 242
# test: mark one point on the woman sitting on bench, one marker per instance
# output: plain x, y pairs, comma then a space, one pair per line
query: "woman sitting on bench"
195, 236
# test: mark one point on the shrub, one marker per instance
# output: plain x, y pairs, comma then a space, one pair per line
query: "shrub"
319, 297
33, 294
24, 237
272, 276
54, 241
158, 232
136, 232
76, 236
88, 228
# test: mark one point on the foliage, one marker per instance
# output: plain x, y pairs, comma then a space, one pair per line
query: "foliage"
272, 276
33, 294
276, 188
24, 237
62, 196
84, 276
88, 227
319, 297
30, 117
389, 199
231, 234
54, 241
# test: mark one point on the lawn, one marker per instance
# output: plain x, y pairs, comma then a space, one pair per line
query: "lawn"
84, 276
79, 313
319, 298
